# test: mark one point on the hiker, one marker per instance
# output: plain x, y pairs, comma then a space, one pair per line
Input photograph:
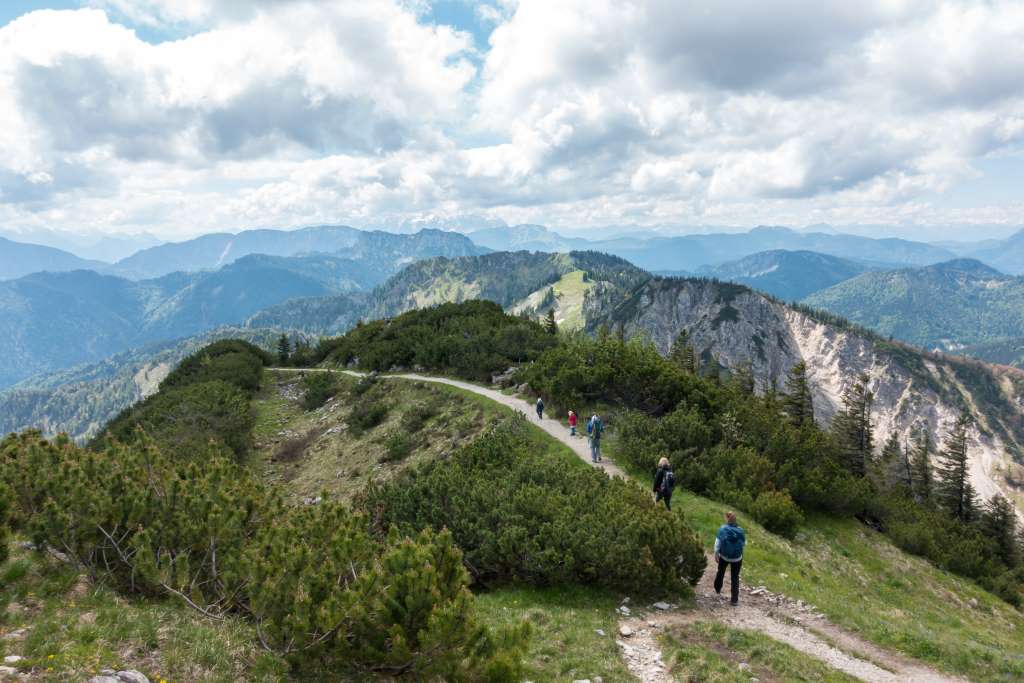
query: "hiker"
572, 423
664, 483
729, 552
595, 428
540, 408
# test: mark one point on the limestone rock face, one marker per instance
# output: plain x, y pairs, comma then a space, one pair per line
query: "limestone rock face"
732, 325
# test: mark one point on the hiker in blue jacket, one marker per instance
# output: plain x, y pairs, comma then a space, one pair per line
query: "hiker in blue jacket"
595, 428
664, 483
729, 553
540, 408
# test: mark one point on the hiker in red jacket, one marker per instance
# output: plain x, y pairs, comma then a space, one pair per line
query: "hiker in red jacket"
572, 423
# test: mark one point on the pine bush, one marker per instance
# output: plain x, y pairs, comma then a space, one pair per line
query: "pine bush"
521, 517
5, 509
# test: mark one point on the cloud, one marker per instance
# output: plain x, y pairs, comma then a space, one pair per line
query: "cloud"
287, 112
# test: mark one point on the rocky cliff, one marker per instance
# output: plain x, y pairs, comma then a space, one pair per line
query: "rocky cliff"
731, 324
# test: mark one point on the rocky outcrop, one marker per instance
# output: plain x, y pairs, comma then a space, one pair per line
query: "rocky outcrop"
733, 325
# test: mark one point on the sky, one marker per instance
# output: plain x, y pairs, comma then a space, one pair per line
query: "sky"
178, 117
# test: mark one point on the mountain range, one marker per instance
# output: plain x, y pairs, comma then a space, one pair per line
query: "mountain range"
789, 275
56, 320
18, 259
947, 306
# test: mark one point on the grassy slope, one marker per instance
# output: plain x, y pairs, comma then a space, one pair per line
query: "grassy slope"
74, 629
570, 293
865, 584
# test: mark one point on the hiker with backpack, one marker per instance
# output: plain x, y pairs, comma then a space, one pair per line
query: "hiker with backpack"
595, 428
540, 408
729, 553
572, 423
664, 483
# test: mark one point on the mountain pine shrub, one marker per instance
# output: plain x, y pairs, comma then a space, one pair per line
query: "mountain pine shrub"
5, 510
322, 591
520, 516
317, 388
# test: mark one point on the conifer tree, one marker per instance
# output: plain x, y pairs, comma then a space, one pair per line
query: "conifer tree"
999, 524
893, 464
683, 353
920, 465
743, 377
550, 326
798, 402
954, 491
852, 427
284, 349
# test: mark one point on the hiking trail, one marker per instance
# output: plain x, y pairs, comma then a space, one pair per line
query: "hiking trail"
791, 622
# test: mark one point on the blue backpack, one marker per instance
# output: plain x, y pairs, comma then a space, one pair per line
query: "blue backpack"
731, 540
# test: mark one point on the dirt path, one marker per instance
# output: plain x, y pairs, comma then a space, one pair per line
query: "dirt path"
787, 621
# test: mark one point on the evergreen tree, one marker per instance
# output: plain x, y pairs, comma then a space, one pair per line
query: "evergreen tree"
954, 491
284, 349
550, 326
743, 377
6, 498
999, 524
893, 464
852, 427
798, 402
683, 353
920, 465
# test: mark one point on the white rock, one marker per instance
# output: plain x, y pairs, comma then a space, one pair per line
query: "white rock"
661, 605
582, 680
13, 659
624, 610
744, 666
599, 632
104, 679
132, 676
8, 671
625, 631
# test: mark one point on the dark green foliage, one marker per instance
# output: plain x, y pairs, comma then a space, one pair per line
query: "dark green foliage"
519, 515
5, 511
998, 523
418, 415
954, 491
187, 419
284, 350
799, 402
683, 353
398, 446
893, 467
550, 326
852, 427
632, 374
367, 414
920, 465
321, 590
471, 340
777, 512
317, 388
205, 399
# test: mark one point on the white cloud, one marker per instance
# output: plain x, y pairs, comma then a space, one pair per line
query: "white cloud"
287, 112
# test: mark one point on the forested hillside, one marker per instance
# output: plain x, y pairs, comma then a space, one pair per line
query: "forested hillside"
948, 306
788, 275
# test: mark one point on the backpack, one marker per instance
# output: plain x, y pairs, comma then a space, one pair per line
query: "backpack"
731, 541
598, 428
668, 482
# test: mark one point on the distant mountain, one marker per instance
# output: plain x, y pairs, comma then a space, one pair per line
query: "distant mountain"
380, 249
690, 252
18, 259
80, 400
1006, 255
946, 306
525, 237
515, 280
100, 247
788, 275
55, 320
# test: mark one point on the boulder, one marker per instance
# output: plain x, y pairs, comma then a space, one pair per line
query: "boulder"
662, 606
13, 659
625, 631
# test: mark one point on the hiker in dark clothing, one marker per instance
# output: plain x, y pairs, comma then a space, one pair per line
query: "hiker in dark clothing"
595, 427
540, 408
664, 483
729, 553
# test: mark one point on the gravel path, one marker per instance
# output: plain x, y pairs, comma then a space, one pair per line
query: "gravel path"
776, 616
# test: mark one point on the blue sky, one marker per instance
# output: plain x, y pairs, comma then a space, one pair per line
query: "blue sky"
577, 114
